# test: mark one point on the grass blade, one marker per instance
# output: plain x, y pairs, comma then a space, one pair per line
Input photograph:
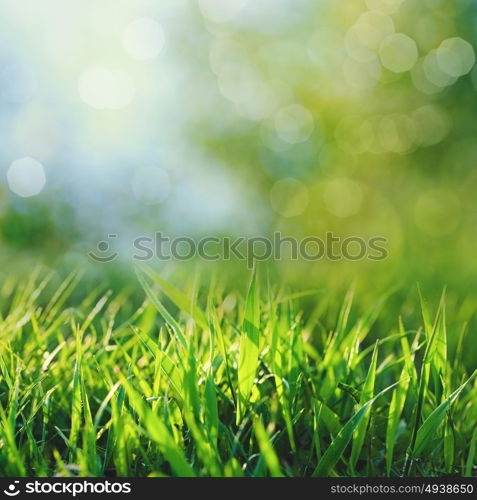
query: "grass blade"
249, 348
367, 394
335, 451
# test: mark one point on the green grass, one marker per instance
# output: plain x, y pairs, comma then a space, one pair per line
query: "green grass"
201, 381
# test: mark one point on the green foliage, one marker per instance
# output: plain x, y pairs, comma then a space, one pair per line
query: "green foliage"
184, 383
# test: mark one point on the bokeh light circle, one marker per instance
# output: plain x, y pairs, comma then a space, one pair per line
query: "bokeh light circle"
26, 177
432, 123
103, 88
372, 27
434, 71
398, 53
294, 123
455, 57
362, 75
143, 39
221, 11
384, 6
397, 133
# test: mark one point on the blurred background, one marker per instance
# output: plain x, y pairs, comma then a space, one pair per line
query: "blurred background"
242, 117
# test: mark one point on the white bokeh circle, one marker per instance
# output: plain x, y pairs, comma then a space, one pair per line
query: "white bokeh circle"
26, 177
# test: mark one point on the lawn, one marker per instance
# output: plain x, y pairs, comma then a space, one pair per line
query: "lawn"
198, 380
